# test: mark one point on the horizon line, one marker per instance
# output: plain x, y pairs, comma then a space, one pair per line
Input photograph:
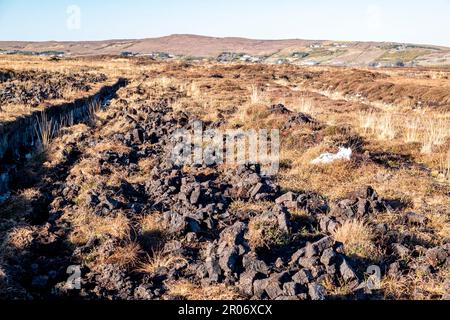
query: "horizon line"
224, 37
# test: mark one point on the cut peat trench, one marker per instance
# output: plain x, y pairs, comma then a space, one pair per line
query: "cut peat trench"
19, 138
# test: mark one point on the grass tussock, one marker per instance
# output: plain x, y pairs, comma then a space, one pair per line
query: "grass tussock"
189, 291
158, 259
87, 226
357, 238
125, 256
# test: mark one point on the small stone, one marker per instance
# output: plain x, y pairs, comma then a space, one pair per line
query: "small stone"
316, 292
234, 234
318, 270
347, 272
279, 263
250, 262
317, 248
400, 250
259, 287
273, 289
228, 258
394, 270
303, 277
195, 195
143, 293
283, 222
290, 196
437, 256
328, 257
324, 243
292, 289
311, 250
212, 264
246, 282
308, 263
297, 255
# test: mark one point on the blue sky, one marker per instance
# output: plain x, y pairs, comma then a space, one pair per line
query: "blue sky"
415, 21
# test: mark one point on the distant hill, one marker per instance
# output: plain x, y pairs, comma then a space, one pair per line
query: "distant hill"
307, 52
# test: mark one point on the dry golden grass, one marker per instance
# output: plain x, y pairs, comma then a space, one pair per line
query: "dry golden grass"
304, 105
430, 129
125, 256
334, 290
357, 238
189, 291
334, 180
265, 234
153, 232
416, 285
18, 239
193, 91
257, 96
46, 129
87, 226
440, 223
159, 259
444, 166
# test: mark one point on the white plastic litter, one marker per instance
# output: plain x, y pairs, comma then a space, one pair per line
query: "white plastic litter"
326, 158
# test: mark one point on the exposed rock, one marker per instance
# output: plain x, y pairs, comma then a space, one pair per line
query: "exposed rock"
303, 277
328, 257
347, 272
212, 263
298, 119
316, 292
400, 250
437, 256
279, 109
359, 205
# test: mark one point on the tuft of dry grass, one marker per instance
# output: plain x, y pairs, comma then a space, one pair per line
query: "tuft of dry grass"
412, 129
444, 166
440, 223
386, 128
153, 232
45, 130
159, 259
430, 129
357, 238
18, 239
257, 96
87, 226
416, 285
265, 234
304, 105
186, 290
125, 256
436, 134
194, 91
